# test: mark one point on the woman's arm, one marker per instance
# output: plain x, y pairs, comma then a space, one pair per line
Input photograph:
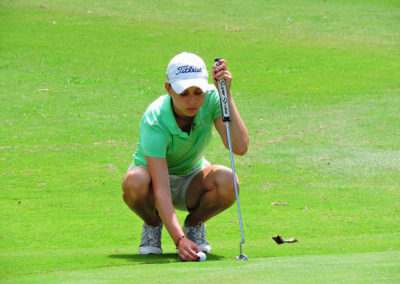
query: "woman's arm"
239, 134
162, 196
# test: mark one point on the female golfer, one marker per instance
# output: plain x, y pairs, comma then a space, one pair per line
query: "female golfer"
169, 170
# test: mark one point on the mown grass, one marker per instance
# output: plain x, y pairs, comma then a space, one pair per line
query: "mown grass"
357, 268
316, 83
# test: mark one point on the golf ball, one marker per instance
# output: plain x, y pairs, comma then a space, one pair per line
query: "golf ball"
202, 256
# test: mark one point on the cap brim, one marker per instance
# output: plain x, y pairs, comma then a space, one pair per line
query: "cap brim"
181, 85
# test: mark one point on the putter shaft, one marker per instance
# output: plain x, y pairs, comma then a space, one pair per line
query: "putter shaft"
235, 183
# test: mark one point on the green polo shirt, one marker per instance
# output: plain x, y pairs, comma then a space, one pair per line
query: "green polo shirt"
161, 137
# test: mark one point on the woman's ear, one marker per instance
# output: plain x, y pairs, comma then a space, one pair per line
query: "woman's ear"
168, 87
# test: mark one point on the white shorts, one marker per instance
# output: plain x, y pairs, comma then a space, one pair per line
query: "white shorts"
180, 184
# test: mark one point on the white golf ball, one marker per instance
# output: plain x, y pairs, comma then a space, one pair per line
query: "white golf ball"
202, 256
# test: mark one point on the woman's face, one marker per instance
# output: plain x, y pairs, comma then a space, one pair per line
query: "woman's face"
187, 103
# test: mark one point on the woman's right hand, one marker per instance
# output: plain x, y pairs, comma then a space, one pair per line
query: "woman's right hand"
187, 250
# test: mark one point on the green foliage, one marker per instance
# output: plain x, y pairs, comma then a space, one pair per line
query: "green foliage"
317, 83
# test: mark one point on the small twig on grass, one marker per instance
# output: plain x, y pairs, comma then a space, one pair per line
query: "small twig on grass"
279, 203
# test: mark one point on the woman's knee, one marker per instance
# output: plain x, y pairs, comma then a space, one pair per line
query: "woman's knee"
136, 186
226, 186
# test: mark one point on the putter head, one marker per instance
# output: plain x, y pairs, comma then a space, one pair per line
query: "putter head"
241, 257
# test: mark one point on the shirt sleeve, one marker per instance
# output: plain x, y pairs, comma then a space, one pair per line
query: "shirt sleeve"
215, 103
154, 140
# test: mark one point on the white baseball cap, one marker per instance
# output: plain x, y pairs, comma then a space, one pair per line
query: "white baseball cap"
186, 70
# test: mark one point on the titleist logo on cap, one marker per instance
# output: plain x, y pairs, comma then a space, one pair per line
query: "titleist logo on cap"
188, 69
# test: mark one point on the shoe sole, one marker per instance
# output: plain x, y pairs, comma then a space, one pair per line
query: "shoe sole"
205, 248
150, 250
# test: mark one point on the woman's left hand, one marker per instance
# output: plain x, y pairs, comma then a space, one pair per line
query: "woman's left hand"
221, 72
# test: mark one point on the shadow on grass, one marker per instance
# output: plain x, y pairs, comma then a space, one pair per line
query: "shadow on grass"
153, 258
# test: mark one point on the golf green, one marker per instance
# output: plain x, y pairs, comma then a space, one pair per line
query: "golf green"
316, 82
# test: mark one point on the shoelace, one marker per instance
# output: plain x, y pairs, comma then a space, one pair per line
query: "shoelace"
199, 232
151, 233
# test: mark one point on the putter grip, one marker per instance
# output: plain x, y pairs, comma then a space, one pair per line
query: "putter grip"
223, 96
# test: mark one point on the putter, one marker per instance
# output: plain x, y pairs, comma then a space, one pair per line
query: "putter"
226, 117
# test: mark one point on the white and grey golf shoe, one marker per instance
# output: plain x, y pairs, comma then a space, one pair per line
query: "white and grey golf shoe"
151, 239
197, 234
